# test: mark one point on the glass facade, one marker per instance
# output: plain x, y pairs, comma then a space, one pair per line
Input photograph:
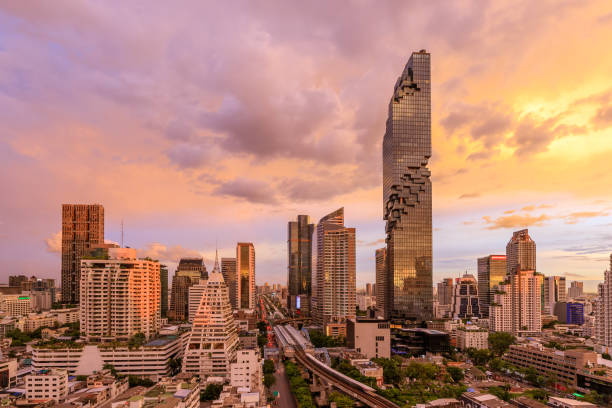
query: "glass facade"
407, 193
491, 272
299, 264
245, 265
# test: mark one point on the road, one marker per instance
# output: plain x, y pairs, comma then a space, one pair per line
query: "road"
282, 386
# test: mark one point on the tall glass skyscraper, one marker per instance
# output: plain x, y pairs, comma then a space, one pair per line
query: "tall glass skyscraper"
299, 264
407, 193
245, 268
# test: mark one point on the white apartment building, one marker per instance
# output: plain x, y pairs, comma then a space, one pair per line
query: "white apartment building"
47, 384
472, 337
16, 305
120, 296
34, 321
517, 305
195, 296
603, 312
64, 316
214, 336
246, 372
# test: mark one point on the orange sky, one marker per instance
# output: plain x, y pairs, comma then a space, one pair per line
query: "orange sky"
222, 122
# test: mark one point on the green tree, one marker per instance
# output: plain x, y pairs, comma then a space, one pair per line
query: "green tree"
341, 400
538, 394
268, 367
110, 367
263, 327
479, 357
175, 365
137, 340
269, 380
499, 342
211, 392
391, 370
135, 381
606, 356
455, 373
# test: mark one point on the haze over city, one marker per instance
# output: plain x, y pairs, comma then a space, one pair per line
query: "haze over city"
206, 125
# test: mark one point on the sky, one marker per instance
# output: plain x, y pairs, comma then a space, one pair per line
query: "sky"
202, 123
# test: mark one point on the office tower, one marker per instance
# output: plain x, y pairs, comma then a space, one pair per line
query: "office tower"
517, 305
228, 269
335, 270
553, 291
407, 193
82, 227
245, 268
465, 298
163, 278
603, 312
213, 341
188, 273
299, 264
520, 252
569, 312
368, 289
381, 276
445, 291
120, 296
575, 290
492, 271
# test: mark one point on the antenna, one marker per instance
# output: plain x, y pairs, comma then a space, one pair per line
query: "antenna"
122, 233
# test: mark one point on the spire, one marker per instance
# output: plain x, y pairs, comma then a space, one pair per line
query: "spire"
216, 267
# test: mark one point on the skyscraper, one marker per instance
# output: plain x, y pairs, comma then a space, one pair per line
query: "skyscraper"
245, 268
407, 193
334, 270
492, 271
520, 252
188, 273
299, 264
381, 286
213, 341
603, 312
163, 277
228, 269
82, 226
465, 298
120, 296
553, 291
445, 291
368, 289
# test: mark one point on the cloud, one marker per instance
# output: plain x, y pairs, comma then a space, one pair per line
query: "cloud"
251, 190
372, 243
528, 208
54, 243
603, 117
165, 253
577, 216
469, 195
513, 221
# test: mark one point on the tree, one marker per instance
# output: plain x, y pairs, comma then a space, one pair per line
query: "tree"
499, 342
211, 392
479, 357
342, 401
391, 371
175, 366
456, 373
135, 381
538, 394
110, 367
606, 356
137, 340
269, 380
268, 367
263, 327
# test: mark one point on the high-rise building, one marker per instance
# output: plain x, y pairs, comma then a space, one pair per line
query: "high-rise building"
120, 296
163, 277
16, 280
194, 297
569, 312
575, 290
407, 193
445, 291
603, 312
334, 263
517, 304
213, 341
465, 298
491, 271
82, 227
228, 269
245, 268
553, 291
520, 252
381, 286
188, 273
368, 290
299, 264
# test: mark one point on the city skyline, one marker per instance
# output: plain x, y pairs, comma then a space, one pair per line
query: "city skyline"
501, 160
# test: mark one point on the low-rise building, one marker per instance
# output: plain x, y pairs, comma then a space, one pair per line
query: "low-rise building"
564, 365
368, 368
16, 305
472, 337
370, 337
8, 373
47, 385
418, 341
246, 372
335, 329
169, 393
559, 402
477, 400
